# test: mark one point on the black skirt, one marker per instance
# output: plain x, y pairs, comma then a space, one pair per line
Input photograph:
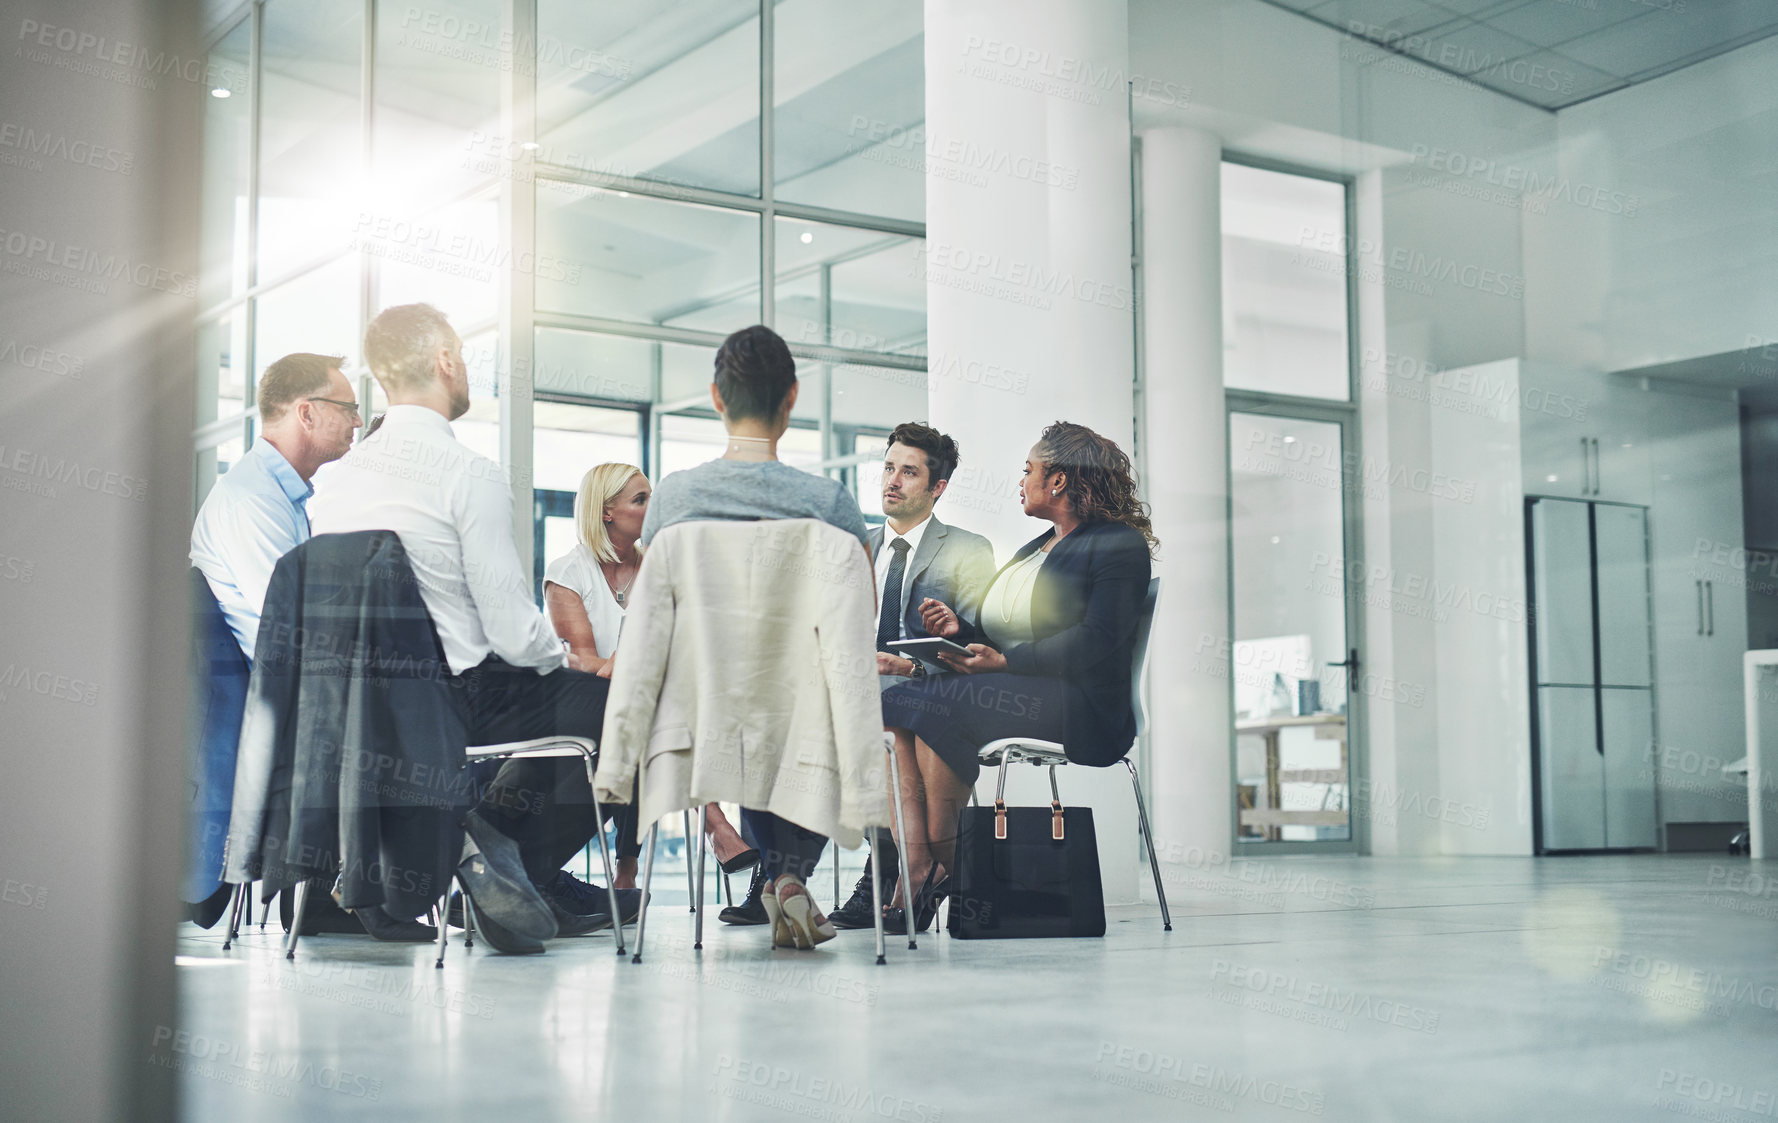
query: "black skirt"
956, 714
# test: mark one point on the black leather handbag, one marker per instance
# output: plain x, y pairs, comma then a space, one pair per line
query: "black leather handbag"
1025, 872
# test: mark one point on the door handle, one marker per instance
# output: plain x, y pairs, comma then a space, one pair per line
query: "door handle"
1710, 607
1598, 481
1700, 586
1350, 662
1586, 470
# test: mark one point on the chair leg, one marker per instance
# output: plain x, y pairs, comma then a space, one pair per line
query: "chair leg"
617, 917
901, 831
728, 891
647, 884
697, 904
691, 888
1154, 864
444, 930
234, 915
296, 919
468, 922
876, 906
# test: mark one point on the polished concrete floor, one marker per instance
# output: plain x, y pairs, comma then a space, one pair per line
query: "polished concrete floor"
1607, 988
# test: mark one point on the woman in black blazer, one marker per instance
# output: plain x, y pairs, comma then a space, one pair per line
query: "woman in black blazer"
1050, 648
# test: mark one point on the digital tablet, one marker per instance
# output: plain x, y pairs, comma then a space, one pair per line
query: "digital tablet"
926, 648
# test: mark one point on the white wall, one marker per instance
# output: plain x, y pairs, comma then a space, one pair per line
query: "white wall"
95, 502
1676, 253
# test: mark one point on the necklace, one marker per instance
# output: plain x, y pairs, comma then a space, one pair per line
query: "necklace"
1013, 593
619, 594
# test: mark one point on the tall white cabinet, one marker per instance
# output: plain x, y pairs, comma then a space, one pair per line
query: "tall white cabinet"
1676, 451
1700, 605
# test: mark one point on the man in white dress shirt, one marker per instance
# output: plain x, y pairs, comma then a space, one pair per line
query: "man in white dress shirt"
452, 509
255, 514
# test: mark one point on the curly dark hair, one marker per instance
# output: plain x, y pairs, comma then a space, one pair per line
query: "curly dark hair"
1101, 485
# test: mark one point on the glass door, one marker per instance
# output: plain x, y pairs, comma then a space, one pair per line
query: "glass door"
1292, 653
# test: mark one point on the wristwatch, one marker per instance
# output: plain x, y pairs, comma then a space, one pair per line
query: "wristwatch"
919, 670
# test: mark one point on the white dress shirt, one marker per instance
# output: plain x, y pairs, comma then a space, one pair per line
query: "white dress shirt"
578, 571
252, 517
886, 554
452, 509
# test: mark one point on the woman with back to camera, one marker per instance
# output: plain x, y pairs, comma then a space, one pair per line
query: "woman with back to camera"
585, 592
1050, 650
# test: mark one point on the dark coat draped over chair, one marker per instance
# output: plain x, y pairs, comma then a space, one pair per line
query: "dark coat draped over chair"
351, 756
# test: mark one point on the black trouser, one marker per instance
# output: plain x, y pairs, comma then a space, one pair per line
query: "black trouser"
542, 803
783, 846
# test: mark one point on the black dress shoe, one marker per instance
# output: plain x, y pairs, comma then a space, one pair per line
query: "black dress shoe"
581, 898
493, 875
745, 860
382, 926
855, 913
751, 910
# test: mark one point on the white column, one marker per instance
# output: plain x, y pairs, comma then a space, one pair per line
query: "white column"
1187, 486
1029, 296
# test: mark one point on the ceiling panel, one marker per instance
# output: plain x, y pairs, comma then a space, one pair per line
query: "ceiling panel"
1555, 22
1655, 42
1550, 53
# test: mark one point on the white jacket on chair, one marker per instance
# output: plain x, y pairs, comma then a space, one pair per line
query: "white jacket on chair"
747, 673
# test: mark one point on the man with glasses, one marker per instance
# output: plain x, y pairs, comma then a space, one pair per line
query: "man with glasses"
256, 512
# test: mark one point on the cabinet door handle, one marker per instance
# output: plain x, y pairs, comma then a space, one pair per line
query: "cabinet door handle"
1598, 482
1586, 470
1710, 602
1700, 587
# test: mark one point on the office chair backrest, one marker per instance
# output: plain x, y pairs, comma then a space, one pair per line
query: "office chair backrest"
1139, 653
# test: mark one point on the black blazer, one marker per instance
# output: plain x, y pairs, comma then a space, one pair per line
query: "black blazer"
352, 750
1085, 607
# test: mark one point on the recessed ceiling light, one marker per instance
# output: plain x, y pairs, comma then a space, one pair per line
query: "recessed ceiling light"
220, 91
807, 237
1289, 440
623, 194
1549, 479
1275, 539
529, 146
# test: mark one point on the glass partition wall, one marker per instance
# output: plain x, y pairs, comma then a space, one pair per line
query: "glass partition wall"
1294, 662
694, 167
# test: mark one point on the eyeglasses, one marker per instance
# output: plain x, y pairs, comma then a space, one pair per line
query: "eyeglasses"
349, 407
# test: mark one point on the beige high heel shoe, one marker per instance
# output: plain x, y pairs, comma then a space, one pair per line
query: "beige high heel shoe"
797, 923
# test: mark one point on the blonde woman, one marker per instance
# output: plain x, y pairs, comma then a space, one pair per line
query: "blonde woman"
586, 591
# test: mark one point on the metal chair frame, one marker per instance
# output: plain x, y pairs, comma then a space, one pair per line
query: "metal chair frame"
557, 745
696, 880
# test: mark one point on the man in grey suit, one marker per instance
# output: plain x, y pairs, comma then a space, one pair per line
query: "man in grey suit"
924, 558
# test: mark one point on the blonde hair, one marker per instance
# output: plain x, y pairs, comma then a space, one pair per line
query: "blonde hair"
601, 484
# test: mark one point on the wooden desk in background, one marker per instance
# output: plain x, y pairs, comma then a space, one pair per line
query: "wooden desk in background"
1328, 727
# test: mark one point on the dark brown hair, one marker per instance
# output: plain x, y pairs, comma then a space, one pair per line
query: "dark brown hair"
941, 451
291, 379
1101, 484
754, 373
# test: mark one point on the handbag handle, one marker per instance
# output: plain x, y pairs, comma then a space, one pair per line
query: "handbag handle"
1055, 807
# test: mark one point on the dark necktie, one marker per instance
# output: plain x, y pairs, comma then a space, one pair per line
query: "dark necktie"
889, 620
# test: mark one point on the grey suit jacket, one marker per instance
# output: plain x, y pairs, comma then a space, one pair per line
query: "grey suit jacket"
951, 565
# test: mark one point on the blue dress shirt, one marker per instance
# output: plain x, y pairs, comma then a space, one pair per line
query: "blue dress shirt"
252, 517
